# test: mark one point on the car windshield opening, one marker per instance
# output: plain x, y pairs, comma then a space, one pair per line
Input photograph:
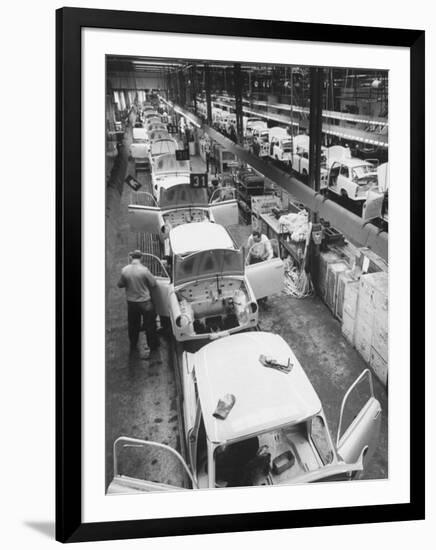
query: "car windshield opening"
238, 464
183, 195
207, 263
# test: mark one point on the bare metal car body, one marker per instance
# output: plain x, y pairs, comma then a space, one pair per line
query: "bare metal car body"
278, 413
210, 292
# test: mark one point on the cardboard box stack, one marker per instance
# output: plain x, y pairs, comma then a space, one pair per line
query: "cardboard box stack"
360, 301
325, 259
371, 322
347, 309
379, 350
334, 270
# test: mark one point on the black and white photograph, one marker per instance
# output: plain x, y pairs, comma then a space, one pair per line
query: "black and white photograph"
224, 239
247, 274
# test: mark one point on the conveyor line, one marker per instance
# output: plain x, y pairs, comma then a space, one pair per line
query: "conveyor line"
352, 134
354, 228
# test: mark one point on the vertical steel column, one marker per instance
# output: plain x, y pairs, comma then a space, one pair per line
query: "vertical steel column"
292, 104
176, 87
208, 94
170, 87
182, 88
194, 87
315, 135
315, 127
238, 103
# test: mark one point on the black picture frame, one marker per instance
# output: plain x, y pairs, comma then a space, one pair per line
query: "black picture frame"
69, 23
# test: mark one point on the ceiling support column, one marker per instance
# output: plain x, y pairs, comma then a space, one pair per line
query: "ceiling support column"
315, 129
208, 94
238, 103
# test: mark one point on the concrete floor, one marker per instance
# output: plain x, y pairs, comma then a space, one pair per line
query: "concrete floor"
140, 392
141, 396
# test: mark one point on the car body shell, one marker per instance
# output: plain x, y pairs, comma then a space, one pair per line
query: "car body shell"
222, 296
279, 411
280, 144
139, 146
261, 137
164, 146
250, 124
351, 178
211, 292
168, 171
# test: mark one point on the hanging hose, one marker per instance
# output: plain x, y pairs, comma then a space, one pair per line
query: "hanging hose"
298, 283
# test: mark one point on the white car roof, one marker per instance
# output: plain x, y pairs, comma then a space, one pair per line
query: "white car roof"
197, 236
168, 163
163, 147
278, 131
302, 141
154, 135
168, 181
265, 398
337, 153
139, 133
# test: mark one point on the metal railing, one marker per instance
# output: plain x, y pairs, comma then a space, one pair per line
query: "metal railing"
365, 373
133, 442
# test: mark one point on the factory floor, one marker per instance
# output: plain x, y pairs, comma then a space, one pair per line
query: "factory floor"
141, 392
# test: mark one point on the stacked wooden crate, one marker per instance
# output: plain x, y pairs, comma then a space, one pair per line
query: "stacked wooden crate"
371, 322
360, 302
379, 349
364, 318
334, 270
347, 309
325, 259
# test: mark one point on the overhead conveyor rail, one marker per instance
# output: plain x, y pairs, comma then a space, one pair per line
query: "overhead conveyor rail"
353, 227
353, 134
337, 115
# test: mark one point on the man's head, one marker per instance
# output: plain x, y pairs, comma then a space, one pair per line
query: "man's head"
136, 255
256, 236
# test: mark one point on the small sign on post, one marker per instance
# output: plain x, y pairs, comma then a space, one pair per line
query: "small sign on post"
133, 183
182, 154
198, 181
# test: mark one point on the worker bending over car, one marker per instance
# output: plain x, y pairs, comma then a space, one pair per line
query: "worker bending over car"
259, 248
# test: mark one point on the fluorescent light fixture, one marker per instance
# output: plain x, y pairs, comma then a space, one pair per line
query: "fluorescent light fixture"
145, 63
229, 101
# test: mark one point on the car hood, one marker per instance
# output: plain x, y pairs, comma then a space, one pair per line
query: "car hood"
208, 263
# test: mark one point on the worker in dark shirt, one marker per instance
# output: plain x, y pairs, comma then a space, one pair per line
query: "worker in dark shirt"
138, 282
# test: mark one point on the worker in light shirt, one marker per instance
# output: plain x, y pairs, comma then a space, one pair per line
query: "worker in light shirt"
139, 283
259, 248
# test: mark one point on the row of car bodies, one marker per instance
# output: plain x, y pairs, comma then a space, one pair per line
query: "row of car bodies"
204, 286
341, 174
151, 139
276, 431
